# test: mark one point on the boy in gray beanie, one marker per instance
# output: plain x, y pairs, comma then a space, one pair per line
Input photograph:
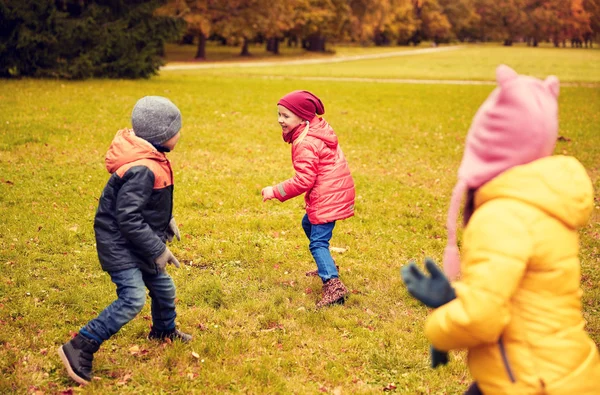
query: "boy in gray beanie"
132, 225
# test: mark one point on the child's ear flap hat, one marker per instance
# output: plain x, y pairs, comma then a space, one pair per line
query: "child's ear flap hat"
155, 119
517, 124
303, 103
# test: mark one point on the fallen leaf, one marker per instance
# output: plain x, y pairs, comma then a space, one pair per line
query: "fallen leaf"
338, 249
134, 349
195, 355
124, 380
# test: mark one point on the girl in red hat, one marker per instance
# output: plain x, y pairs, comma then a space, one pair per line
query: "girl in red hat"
322, 173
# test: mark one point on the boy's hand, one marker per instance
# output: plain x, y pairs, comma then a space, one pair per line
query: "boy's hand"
173, 231
433, 291
267, 193
165, 258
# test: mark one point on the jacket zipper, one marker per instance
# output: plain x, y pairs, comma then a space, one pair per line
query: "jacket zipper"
509, 371
172, 192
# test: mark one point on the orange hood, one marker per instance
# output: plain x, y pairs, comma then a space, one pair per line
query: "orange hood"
126, 147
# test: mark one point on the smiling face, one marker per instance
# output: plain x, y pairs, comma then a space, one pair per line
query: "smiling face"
287, 119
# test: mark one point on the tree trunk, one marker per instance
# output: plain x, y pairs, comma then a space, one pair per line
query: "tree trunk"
187, 39
201, 50
508, 42
316, 43
245, 51
273, 45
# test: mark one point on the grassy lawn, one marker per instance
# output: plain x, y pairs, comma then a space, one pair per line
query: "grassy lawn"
176, 53
242, 292
470, 62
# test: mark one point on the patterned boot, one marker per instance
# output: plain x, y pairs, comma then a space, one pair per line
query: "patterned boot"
334, 292
172, 335
77, 356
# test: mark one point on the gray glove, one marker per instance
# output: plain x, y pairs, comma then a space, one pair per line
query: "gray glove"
165, 258
173, 231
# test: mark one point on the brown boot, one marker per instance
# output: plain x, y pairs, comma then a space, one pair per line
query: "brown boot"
334, 292
315, 273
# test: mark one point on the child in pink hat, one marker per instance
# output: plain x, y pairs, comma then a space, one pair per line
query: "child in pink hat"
517, 305
322, 174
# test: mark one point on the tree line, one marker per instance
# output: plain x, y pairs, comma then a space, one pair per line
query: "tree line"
125, 38
312, 23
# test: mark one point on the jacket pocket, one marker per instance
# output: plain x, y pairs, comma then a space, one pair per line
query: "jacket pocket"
505, 361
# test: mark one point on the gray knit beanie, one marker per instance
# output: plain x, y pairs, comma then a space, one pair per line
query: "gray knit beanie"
155, 119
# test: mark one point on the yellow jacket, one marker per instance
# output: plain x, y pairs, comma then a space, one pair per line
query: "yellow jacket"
518, 304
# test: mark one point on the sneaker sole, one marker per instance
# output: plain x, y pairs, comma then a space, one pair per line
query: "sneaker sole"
70, 370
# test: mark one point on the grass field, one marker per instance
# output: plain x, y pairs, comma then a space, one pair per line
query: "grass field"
176, 53
242, 292
470, 62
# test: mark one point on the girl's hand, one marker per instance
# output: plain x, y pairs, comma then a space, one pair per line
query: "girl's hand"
267, 193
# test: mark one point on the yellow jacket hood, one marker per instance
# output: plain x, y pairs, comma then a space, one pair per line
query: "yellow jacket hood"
558, 185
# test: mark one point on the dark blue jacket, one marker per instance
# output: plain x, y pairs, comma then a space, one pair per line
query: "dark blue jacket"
136, 205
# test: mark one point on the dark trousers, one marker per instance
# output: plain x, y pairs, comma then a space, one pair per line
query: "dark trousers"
473, 390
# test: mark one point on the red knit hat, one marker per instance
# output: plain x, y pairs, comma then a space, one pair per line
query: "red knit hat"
303, 103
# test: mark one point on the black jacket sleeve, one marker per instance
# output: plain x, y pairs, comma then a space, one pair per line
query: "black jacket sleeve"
138, 183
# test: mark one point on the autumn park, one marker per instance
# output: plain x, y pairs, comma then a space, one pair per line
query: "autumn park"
299, 196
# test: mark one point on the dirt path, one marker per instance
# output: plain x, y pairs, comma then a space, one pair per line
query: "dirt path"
337, 59
386, 80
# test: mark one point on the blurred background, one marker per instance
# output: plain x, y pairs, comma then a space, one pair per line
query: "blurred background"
76, 39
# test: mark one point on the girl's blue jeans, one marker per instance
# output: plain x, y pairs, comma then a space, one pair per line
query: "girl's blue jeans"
319, 236
131, 298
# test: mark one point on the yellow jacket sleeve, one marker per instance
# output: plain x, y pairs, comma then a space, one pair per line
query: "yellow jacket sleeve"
496, 249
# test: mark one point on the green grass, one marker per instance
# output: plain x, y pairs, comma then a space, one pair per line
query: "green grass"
176, 53
242, 292
470, 62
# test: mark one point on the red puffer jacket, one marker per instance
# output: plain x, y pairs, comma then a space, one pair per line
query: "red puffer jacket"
322, 172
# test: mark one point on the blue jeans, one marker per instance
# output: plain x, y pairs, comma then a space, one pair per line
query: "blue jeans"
319, 236
131, 298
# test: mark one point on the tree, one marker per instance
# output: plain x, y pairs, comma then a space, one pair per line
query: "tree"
593, 9
76, 39
320, 19
237, 20
274, 19
502, 19
379, 21
198, 16
578, 24
432, 23
462, 18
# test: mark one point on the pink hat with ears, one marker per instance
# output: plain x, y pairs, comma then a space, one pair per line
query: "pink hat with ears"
517, 124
